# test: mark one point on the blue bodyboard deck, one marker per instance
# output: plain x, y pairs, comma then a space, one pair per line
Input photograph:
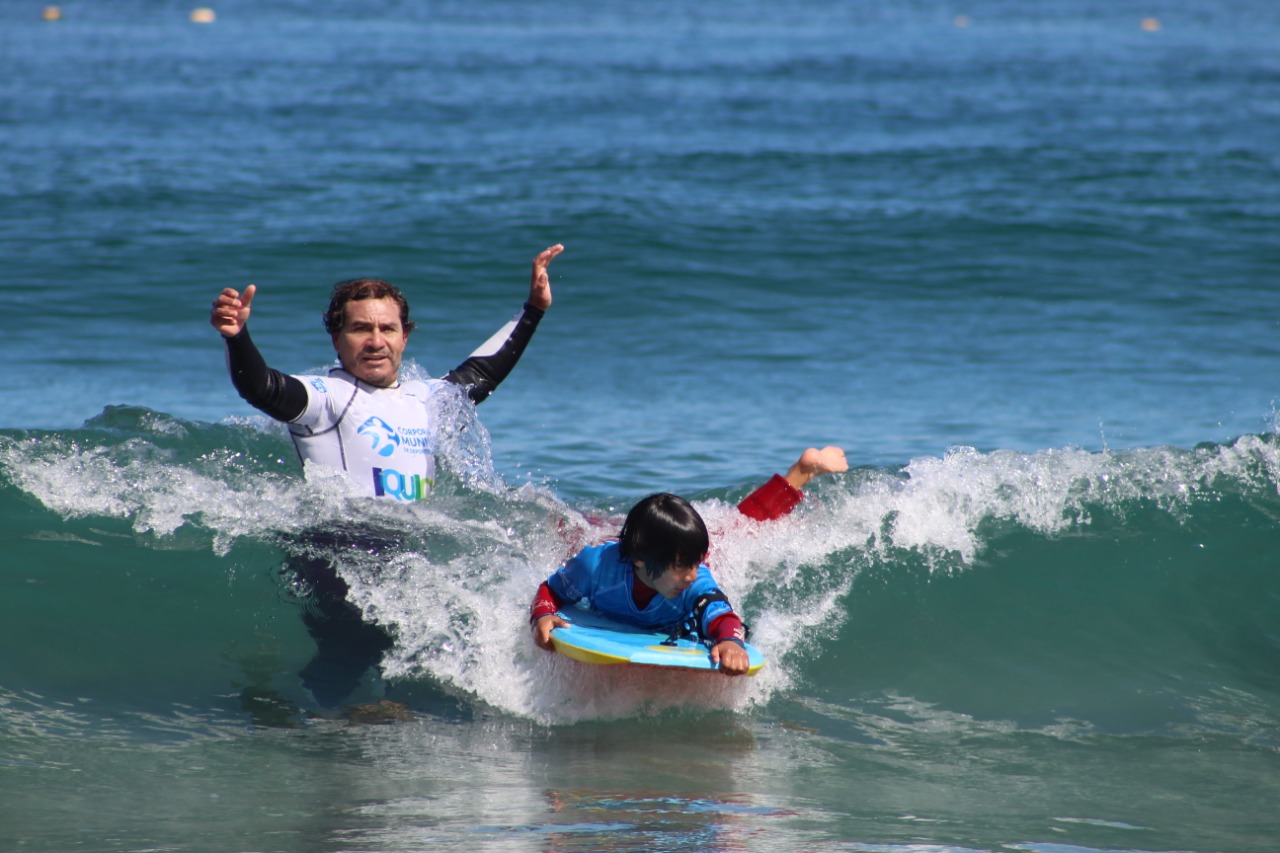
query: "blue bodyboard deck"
592, 638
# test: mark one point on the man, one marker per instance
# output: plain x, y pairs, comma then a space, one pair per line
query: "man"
362, 419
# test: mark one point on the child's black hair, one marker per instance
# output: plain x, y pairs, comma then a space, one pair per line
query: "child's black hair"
661, 531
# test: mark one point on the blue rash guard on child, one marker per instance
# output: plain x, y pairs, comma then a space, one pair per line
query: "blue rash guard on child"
602, 577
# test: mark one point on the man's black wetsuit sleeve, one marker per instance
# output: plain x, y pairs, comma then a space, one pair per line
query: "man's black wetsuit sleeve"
269, 391
485, 368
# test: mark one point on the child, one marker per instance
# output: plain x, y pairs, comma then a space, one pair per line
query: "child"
654, 575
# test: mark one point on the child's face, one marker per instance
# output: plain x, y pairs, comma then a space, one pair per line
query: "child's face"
675, 580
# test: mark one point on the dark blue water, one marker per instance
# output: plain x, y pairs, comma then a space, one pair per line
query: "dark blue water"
1019, 260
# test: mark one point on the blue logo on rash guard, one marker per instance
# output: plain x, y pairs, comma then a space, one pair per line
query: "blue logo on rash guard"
382, 438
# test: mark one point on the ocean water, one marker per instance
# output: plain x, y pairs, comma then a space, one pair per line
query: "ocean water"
1019, 259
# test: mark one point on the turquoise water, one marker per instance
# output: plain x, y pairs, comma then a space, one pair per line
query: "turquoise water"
1018, 259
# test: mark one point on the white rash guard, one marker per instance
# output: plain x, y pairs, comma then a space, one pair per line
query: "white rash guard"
383, 438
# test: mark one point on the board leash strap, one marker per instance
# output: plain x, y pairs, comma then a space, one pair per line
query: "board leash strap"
691, 627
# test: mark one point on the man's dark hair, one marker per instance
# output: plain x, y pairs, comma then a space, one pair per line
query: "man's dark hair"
662, 531
356, 289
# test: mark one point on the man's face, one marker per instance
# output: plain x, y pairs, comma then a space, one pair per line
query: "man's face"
372, 341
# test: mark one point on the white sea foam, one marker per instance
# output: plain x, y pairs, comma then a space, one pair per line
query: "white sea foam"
456, 597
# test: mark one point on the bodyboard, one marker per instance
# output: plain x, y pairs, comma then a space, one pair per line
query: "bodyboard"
592, 638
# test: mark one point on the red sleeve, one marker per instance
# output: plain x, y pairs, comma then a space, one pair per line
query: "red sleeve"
773, 500
726, 626
544, 602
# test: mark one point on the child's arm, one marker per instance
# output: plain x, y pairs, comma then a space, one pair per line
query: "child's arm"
728, 635
543, 617
731, 657
781, 494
